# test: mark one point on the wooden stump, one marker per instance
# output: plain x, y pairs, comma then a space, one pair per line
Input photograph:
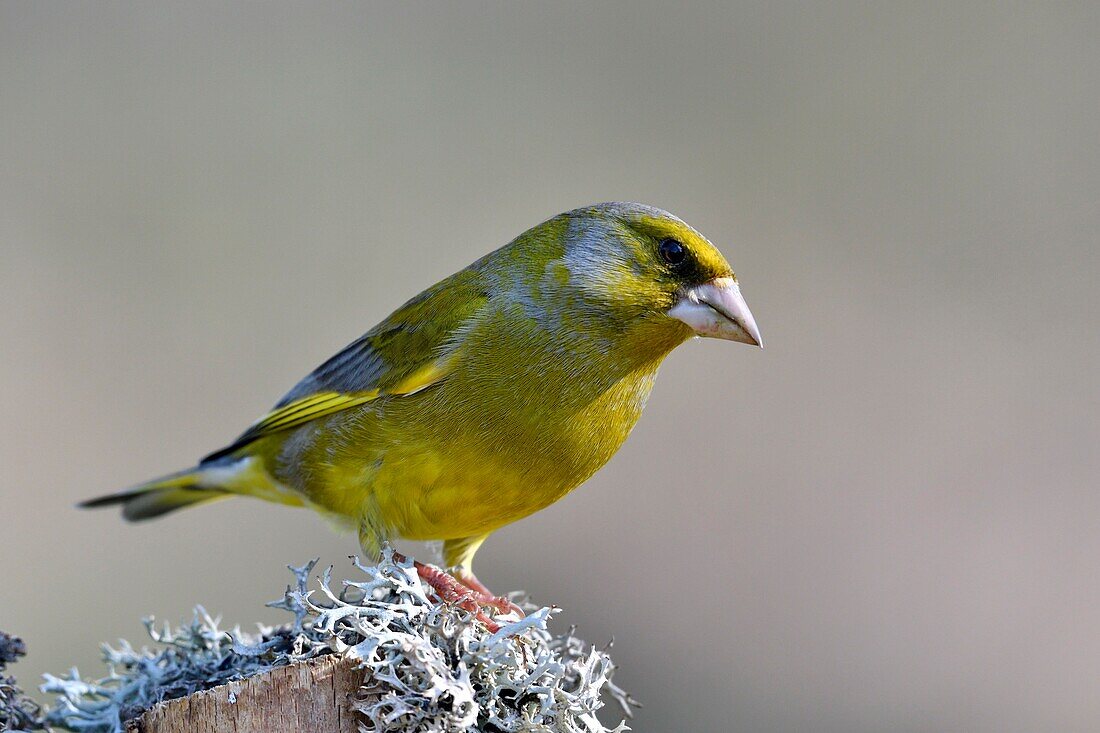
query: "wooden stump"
312, 696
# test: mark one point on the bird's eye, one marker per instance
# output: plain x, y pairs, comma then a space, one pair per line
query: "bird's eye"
672, 251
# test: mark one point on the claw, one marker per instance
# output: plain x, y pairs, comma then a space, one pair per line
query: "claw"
457, 590
500, 603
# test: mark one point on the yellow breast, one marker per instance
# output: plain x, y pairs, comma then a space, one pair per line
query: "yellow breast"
440, 466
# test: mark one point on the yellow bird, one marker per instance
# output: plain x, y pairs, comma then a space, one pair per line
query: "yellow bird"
487, 397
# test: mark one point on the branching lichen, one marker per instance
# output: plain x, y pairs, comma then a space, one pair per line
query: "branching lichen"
18, 713
429, 666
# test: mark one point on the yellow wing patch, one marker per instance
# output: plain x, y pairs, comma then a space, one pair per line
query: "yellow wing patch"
320, 404
425, 376
309, 408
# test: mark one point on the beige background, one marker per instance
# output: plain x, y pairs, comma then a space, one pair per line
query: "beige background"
889, 520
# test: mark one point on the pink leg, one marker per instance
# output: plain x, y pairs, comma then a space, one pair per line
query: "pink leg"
500, 603
452, 590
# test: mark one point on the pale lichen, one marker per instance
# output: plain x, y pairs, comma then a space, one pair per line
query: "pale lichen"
18, 713
429, 666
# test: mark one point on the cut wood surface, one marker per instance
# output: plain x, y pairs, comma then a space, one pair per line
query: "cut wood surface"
311, 696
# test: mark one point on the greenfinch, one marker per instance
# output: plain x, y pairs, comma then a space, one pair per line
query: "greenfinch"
488, 396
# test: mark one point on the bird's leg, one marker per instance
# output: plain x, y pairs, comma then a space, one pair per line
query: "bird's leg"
458, 554
452, 590
487, 598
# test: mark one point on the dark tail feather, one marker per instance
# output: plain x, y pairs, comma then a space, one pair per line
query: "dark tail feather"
158, 497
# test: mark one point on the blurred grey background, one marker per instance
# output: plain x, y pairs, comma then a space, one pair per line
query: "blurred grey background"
886, 521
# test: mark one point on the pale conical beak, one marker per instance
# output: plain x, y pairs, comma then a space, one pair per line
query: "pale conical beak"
716, 309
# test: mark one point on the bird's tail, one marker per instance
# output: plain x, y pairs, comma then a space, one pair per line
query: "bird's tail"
212, 479
162, 495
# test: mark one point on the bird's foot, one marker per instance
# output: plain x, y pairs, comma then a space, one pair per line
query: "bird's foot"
454, 590
502, 604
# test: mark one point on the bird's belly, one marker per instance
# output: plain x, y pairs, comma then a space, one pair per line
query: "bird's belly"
464, 491
427, 476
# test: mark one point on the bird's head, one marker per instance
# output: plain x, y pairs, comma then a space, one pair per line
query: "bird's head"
641, 266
